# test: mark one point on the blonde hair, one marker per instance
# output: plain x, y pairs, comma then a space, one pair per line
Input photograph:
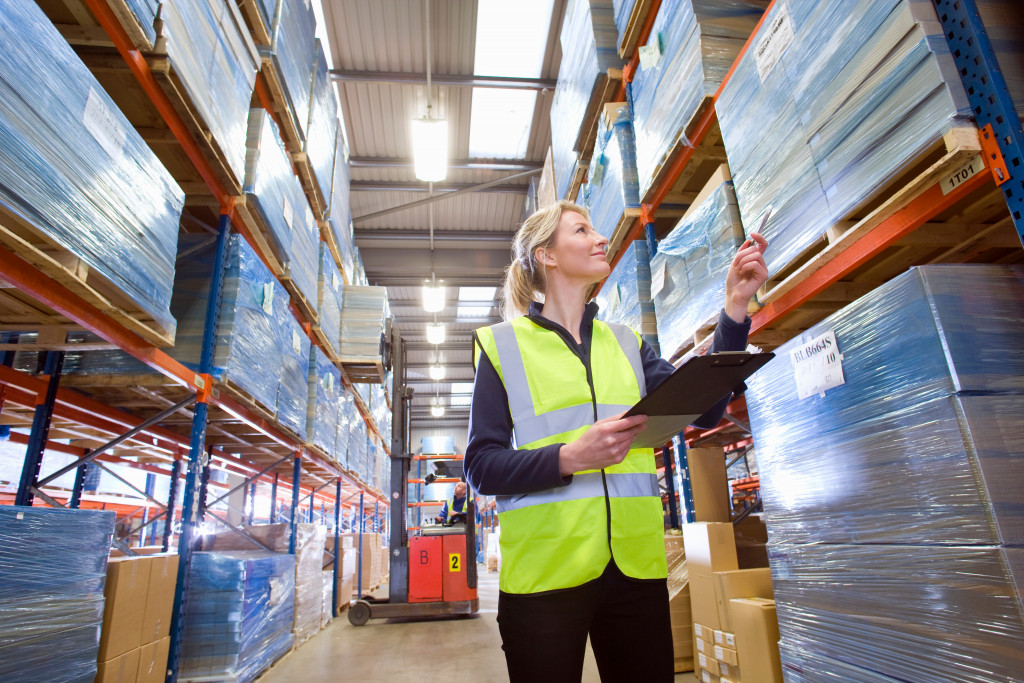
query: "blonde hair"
524, 277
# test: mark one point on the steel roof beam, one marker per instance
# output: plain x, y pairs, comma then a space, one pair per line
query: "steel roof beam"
455, 164
452, 80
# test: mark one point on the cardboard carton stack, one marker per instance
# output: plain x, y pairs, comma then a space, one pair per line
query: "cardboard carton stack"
735, 632
139, 595
679, 603
349, 566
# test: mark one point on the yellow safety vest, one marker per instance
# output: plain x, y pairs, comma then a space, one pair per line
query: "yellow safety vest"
565, 536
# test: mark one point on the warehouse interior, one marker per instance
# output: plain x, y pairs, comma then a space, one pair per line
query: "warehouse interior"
245, 246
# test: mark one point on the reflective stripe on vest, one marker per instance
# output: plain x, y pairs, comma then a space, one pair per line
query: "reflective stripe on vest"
586, 485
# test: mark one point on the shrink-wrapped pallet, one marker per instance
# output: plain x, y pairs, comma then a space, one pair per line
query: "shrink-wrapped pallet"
328, 298
324, 388
611, 179
322, 131
625, 297
293, 35
293, 388
363, 312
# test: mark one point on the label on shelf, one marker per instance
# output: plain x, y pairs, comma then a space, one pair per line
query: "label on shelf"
334, 281
658, 279
268, 298
103, 124
774, 42
614, 299
289, 215
650, 54
296, 342
818, 366
959, 175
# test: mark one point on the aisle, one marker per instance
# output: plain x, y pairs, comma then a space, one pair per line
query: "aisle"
448, 651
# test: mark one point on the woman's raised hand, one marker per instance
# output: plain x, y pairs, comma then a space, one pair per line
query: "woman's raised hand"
746, 275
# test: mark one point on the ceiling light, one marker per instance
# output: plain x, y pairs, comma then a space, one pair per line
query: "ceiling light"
435, 333
433, 297
437, 372
430, 148
437, 411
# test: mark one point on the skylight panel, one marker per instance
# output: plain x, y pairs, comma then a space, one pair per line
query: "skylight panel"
475, 294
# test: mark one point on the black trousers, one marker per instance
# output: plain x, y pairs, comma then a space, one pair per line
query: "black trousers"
545, 636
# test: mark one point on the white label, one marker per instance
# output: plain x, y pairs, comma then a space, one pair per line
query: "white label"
296, 342
730, 639
268, 298
613, 299
719, 653
705, 676
773, 43
21, 515
650, 54
700, 645
330, 382
725, 669
334, 281
289, 216
954, 179
702, 659
818, 366
100, 120
658, 279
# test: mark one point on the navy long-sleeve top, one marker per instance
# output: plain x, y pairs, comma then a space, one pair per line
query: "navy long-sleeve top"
493, 467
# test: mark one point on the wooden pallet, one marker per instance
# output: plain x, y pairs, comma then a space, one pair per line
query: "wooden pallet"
290, 128
631, 35
78, 24
54, 260
261, 235
258, 28
578, 177
626, 220
307, 176
702, 334
707, 157
305, 306
328, 237
363, 371
605, 87
229, 387
325, 344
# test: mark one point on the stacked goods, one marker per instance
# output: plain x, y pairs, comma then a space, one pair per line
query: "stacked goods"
139, 595
363, 312
50, 612
612, 174
688, 272
832, 102
211, 51
308, 577
346, 413
238, 614
274, 194
625, 296
322, 131
328, 298
915, 392
347, 569
623, 9
381, 414
75, 177
692, 45
589, 49
293, 389
679, 602
324, 386
369, 571
293, 36
339, 217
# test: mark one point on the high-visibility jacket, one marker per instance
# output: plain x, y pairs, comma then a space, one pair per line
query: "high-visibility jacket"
565, 536
448, 509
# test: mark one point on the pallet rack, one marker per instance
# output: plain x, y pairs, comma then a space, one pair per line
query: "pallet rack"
204, 423
920, 222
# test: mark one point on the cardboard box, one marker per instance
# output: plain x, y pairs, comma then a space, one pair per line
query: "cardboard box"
704, 647
751, 542
702, 632
727, 670
163, 577
757, 639
725, 638
742, 583
708, 677
125, 594
712, 501
726, 655
710, 548
121, 669
725, 679
708, 663
153, 661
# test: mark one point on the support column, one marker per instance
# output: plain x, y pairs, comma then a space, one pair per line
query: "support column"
296, 480
337, 547
54, 364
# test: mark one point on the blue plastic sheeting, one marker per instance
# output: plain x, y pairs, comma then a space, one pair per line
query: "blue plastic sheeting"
800, 666
144, 12
693, 44
324, 388
357, 441
50, 611
340, 214
612, 177
293, 389
623, 9
275, 194
690, 267
589, 48
328, 299
238, 615
212, 51
906, 464
73, 167
267, 10
858, 92
625, 297
347, 415
292, 41
322, 131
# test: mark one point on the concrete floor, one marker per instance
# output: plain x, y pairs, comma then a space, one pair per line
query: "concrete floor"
449, 651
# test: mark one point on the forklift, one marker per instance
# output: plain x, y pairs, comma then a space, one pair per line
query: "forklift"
433, 574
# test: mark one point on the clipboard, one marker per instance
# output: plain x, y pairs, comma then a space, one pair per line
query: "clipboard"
690, 391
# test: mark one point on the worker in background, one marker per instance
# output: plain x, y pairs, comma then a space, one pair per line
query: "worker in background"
582, 530
454, 506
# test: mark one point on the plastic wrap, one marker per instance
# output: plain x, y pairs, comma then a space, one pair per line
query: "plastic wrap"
274, 192
345, 407
293, 388
309, 580
915, 613
324, 389
623, 9
212, 51
144, 12
267, 10
102, 362
800, 666
589, 48
238, 615
690, 267
678, 574
363, 312
357, 444
328, 298
358, 274
322, 131
693, 43
612, 173
340, 212
73, 167
625, 297
327, 603
51, 612
856, 96
292, 37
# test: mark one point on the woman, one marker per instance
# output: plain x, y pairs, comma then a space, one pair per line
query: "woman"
582, 530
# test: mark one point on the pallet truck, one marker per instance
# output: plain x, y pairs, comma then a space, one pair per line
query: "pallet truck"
433, 574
